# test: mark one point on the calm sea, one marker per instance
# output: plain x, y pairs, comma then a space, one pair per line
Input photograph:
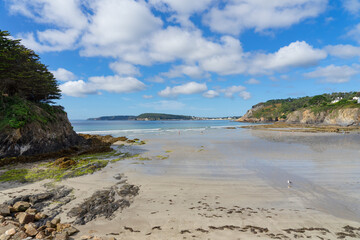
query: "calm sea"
136, 128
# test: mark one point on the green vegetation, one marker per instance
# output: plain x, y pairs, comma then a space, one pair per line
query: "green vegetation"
22, 74
277, 109
161, 116
26, 86
80, 165
15, 112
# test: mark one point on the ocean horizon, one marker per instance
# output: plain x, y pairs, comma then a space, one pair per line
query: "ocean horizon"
139, 128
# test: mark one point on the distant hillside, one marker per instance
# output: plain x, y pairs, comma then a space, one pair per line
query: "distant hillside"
161, 116
146, 117
114, 118
335, 108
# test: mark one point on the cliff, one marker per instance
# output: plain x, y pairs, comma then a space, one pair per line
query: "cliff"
321, 109
28, 129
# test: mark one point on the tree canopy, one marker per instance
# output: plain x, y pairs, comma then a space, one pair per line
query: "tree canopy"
22, 74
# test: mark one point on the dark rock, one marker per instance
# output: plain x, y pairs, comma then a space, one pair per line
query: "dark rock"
4, 210
103, 203
25, 218
21, 206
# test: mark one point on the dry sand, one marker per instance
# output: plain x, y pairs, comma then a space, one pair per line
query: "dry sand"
230, 184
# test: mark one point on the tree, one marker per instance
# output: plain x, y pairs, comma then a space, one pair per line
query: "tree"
22, 74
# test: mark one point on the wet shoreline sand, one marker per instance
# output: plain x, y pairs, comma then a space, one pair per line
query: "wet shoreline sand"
230, 184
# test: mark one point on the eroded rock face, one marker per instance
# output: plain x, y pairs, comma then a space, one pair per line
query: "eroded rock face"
37, 138
344, 117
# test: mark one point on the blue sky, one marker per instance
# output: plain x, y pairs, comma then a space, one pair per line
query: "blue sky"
202, 58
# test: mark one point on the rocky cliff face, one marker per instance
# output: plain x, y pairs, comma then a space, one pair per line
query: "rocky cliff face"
341, 116
38, 138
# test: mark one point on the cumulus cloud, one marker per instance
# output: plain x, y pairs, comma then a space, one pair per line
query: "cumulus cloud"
238, 15
116, 84
61, 74
186, 89
77, 88
211, 94
296, 54
183, 9
192, 71
352, 6
245, 95
230, 91
343, 51
252, 81
124, 69
333, 74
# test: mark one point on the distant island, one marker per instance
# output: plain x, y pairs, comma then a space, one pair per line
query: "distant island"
157, 117
341, 108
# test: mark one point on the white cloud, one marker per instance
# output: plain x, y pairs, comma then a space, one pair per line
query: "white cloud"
211, 94
352, 6
116, 84
77, 88
343, 51
333, 74
355, 33
183, 9
148, 96
186, 89
238, 15
230, 91
156, 79
120, 29
124, 69
245, 95
297, 54
61, 74
192, 71
252, 81
164, 105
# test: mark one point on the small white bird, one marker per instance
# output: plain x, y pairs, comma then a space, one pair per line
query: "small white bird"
289, 183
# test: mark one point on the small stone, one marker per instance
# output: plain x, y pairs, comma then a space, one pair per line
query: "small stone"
10, 232
55, 221
2, 218
4, 237
31, 211
39, 216
4, 210
20, 235
40, 235
86, 237
61, 226
31, 229
50, 225
48, 231
112, 238
61, 236
71, 230
25, 218
21, 206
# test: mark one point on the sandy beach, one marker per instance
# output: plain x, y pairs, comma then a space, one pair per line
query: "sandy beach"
226, 184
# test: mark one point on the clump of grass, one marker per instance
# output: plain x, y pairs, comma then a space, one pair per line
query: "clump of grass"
160, 157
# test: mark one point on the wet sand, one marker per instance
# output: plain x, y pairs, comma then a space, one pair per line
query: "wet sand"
231, 184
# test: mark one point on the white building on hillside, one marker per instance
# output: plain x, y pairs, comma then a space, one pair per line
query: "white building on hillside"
336, 100
357, 99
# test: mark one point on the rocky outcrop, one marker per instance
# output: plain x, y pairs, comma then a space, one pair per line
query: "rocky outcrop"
39, 138
248, 117
343, 117
340, 116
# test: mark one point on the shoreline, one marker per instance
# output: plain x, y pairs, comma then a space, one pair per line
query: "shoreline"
224, 184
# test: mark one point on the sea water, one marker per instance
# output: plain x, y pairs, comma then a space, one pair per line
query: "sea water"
139, 128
